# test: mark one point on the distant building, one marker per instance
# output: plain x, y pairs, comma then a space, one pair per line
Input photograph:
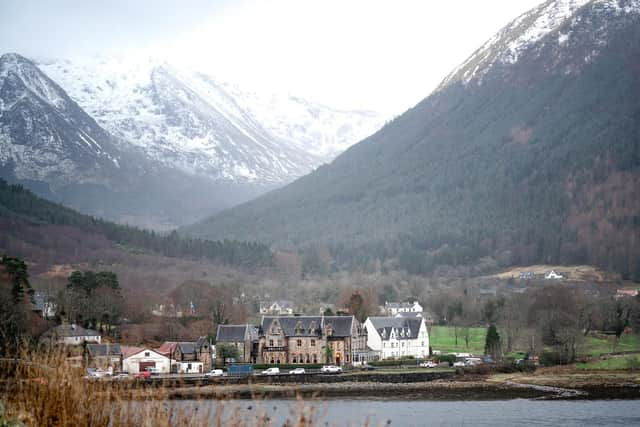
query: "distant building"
281, 307
187, 357
243, 337
167, 310
71, 334
393, 308
104, 356
338, 340
553, 275
393, 337
139, 359
44, 305
622, 293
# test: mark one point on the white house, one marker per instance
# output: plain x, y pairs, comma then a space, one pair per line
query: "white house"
393, 337
71, 334
393, 308
552, 275
187, 367
138, 359
281, 307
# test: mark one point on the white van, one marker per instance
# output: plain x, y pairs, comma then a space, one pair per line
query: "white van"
271, 371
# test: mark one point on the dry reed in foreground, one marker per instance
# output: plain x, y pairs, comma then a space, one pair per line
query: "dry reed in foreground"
39, 390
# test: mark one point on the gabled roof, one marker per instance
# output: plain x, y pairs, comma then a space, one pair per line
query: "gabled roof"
71, 330
235, 333
128, 351
169, 347
409, 325
293, 326
96, 350
388, 304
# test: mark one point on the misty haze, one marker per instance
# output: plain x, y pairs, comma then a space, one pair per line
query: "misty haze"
301, 212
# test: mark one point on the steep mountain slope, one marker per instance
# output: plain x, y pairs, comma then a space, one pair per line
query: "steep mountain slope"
45, 134
188, 120
51, 145
529, 151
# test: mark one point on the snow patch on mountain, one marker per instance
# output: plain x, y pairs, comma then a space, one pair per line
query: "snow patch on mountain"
510, 43
189, 120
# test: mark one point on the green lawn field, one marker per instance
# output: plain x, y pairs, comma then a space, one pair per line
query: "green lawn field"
597, 345
618, 363
442, 339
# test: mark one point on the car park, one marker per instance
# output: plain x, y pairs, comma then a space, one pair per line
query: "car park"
331, 369
297, 371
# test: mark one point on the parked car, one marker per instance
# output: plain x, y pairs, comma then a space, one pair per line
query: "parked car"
368, 368
331, 369
153, 371
271, 371
429, 364
458, 364
214, 373
143, 375
121, 376
297, 371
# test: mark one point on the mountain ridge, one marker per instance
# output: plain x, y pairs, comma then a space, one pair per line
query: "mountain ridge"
497, 168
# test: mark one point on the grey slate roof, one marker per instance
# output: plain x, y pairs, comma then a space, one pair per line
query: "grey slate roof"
235, 333
96, 350
410, 326
71, 330
398, 304
301, 326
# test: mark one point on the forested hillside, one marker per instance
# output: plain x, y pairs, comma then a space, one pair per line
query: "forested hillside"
21, 210
529, 152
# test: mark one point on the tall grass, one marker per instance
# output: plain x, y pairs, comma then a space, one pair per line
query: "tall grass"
44, 390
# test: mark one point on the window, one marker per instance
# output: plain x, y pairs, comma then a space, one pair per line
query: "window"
293, 359
188, 366
279, 343
313, 343
146, 354
299, 343
315, 358
270, 343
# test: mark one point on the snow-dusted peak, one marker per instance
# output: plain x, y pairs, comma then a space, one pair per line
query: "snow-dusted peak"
553, 18
190, 120
22, 69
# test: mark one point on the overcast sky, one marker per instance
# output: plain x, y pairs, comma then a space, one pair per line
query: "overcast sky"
379, 55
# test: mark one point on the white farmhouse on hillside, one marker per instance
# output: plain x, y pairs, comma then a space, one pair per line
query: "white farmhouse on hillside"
281, 307
393, 308
393, 337
552, 275
71, 334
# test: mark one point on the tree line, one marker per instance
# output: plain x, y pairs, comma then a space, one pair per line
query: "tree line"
21, 204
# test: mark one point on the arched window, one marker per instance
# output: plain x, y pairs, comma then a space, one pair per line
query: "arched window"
308, 358
315, 358
293, 359
271, 361
278, 361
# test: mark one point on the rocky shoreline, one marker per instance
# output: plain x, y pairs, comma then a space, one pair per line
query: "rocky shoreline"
477, 389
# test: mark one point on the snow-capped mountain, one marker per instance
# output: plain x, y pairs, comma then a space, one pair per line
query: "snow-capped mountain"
190, 121
147, 143
45, 135
555, 24
528, 152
